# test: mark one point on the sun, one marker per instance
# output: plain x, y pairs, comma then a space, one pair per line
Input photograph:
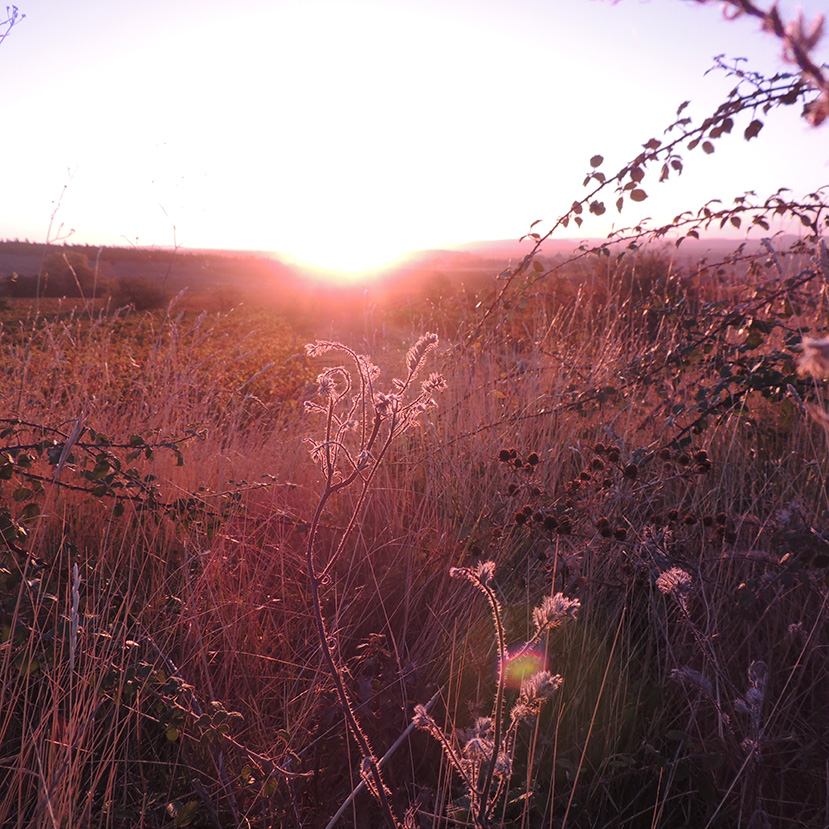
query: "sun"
347, 259
348, 264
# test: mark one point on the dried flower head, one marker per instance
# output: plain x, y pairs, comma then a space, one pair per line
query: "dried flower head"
423, 719
675, 582
417, 353
386, 404
318, 348
540, 686
814, 357
481, 574
503, 765
554, 611
478, 742
434, 383
689, 676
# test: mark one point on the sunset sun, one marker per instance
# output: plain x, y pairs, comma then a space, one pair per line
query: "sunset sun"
347, 258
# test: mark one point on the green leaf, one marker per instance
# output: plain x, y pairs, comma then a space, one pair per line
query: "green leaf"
101, 470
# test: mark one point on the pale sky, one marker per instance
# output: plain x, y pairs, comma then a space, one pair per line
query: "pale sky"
345, 132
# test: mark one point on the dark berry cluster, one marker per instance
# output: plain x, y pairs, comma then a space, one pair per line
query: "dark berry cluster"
698, 460
606, 529
512, 457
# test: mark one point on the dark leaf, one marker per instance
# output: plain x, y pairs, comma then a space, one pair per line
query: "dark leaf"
638, 195
596, 160
30, 512
753, 129
707, 147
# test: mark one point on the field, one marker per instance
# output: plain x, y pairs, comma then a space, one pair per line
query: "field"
198, 615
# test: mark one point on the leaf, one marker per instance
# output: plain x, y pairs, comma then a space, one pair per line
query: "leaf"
576, 207
652, 144
186, 814
676, 164
596, 160
537, 266
578, 220
665, 172
619, 202
693, 234
638, 195
29, 512
682, 107
637, 174
597, 208
735, 220
707, 147
172, 733
753, 129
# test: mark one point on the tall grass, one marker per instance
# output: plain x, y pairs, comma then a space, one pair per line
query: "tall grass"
647, 450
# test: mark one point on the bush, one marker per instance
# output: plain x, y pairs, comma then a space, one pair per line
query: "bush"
143, 293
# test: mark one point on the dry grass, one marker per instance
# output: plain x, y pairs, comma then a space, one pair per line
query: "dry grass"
178, 679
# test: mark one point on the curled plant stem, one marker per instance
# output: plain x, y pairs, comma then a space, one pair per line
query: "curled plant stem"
360, 427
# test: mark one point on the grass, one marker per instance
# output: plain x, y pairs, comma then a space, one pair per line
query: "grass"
160, 664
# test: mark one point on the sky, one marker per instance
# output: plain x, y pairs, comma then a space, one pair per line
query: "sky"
346, 132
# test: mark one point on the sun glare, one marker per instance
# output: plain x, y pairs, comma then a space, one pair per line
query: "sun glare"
347, 261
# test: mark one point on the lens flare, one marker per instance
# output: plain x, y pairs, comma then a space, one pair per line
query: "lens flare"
519, 666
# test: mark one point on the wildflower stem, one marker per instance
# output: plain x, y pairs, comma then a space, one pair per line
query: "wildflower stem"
498, 709
332, 662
